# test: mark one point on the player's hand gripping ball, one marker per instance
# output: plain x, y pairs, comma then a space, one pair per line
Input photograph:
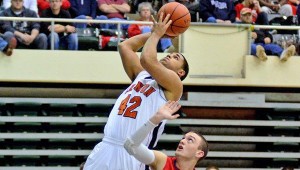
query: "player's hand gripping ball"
180, 16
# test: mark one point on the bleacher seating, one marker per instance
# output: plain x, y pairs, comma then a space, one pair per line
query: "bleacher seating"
60, 133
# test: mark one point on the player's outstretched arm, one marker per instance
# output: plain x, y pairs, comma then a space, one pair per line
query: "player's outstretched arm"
134, 146
164, 76
130, 60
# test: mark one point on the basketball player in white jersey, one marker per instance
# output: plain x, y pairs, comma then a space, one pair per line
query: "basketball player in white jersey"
154, 83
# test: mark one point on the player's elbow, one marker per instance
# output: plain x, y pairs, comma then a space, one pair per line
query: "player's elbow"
129, 146
140, 152
122, 46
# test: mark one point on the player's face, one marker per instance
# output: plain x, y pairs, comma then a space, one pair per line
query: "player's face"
189, 146
173, 61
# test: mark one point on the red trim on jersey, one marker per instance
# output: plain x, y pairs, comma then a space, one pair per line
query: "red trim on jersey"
171, 164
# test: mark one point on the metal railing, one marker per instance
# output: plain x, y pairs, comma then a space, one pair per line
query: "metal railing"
119, 23
53, 20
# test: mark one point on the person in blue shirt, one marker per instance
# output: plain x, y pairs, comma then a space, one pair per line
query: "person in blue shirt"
263, 41
217, 11
8, 47
83, 9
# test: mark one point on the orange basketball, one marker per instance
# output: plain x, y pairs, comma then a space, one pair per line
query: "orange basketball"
180, 17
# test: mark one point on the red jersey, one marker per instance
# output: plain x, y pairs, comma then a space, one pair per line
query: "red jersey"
171, 164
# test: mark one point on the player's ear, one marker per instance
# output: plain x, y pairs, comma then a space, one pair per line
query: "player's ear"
199, 154
181, 73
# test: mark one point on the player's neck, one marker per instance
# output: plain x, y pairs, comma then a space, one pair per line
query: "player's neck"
185, 164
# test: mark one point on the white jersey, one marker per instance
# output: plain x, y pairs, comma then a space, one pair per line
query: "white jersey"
134, 107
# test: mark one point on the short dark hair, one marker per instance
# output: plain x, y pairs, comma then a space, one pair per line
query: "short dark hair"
212, 167
185, 67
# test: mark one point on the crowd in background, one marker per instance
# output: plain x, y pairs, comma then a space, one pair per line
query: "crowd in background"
39, 35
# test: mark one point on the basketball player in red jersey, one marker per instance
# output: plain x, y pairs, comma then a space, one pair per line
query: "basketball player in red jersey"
192, 147
154, 82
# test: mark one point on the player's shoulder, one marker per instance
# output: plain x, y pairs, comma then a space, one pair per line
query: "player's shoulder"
143, 74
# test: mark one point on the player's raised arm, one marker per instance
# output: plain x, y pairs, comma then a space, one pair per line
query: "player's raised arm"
166, 72
134, 146
130, 60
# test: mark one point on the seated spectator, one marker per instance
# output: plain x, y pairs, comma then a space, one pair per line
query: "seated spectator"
30, 4
212, 167
83, 10
45, 4
27, 33
283, 7
192, 6
298, 15
7, 48
64, 33
1, 6
294, 4
113, 10
258, 16
145, 9
217, 11
262, 44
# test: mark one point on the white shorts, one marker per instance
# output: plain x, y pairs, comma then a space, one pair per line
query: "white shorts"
108, 156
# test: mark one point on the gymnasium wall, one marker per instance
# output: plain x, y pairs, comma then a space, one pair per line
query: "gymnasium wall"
217, 56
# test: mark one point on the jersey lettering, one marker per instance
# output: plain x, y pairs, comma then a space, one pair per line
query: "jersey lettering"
130, 88
128, 105
146, 89
149, 91
130, 111
138, 86
123, 105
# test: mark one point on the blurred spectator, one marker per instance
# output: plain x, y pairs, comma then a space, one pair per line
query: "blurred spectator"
192, 6
212, 167
258, 16
156, 4
64, 33
27, 33
287, 168
294, 4
262, 41
45, 4
7, 48
283, 7
145, 9
113, 10
298, 15
1, 6
217, 11
83, 10
30, 4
